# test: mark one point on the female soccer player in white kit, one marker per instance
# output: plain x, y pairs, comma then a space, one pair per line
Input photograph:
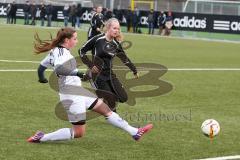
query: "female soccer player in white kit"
65, 67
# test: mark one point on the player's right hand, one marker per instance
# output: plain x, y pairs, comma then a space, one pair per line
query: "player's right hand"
87, 76
95, 69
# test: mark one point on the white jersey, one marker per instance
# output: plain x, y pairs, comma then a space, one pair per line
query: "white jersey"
74, 98
62, 57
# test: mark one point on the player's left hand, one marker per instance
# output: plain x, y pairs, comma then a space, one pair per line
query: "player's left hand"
136, 75
85, 76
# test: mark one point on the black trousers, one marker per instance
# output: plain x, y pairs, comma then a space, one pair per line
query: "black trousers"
111, 91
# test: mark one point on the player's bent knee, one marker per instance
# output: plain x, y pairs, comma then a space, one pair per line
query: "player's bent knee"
79, 129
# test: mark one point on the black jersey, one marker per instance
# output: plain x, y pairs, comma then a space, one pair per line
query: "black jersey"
97, 21
99, 45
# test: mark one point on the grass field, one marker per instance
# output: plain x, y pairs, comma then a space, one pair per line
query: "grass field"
27, 106
175, 33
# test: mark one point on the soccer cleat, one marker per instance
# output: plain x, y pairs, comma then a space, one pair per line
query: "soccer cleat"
36, 137
142, 131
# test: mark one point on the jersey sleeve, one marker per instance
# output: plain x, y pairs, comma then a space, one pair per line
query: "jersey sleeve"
100, 22
41, 76
88, 46
123, 57
93, 22
97, 21
47, 61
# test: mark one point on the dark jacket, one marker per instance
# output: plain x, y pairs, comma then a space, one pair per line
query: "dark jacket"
43, 11
13, 10
33, 10
79, 10
49, 10
26, 8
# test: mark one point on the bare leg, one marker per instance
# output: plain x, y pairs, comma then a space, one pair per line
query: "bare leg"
102, 108
79, 130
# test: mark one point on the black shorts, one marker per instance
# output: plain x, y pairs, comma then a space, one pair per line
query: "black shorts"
113, 86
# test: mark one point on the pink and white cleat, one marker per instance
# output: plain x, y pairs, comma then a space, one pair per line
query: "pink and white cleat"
36, 137
142, 131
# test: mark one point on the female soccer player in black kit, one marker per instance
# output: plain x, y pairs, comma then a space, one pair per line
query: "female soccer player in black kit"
106, 79
96, 23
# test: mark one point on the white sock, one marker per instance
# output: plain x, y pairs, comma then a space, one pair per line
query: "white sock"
117, 121
61, 134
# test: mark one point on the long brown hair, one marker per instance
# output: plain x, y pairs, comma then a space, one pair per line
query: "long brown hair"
41, 46
108, 25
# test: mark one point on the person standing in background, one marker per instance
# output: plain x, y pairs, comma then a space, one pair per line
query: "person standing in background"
49, 13
33, 11
42, 13
136, 20
78, 15
66, 14
161, 22
129, 16
151, 22
13, 12
8, 9
26, 10
169, 23
73, 11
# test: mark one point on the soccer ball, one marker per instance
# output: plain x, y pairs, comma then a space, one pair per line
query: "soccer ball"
210, 128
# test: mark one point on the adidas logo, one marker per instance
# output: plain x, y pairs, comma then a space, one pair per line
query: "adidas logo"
226, 25
190, 22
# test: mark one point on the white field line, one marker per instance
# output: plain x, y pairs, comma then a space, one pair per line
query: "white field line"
139, 68
17, 61
145, 69
157, 36
222, 158
19, 70
203, 69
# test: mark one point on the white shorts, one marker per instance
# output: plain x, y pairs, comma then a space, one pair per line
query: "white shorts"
76, 106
